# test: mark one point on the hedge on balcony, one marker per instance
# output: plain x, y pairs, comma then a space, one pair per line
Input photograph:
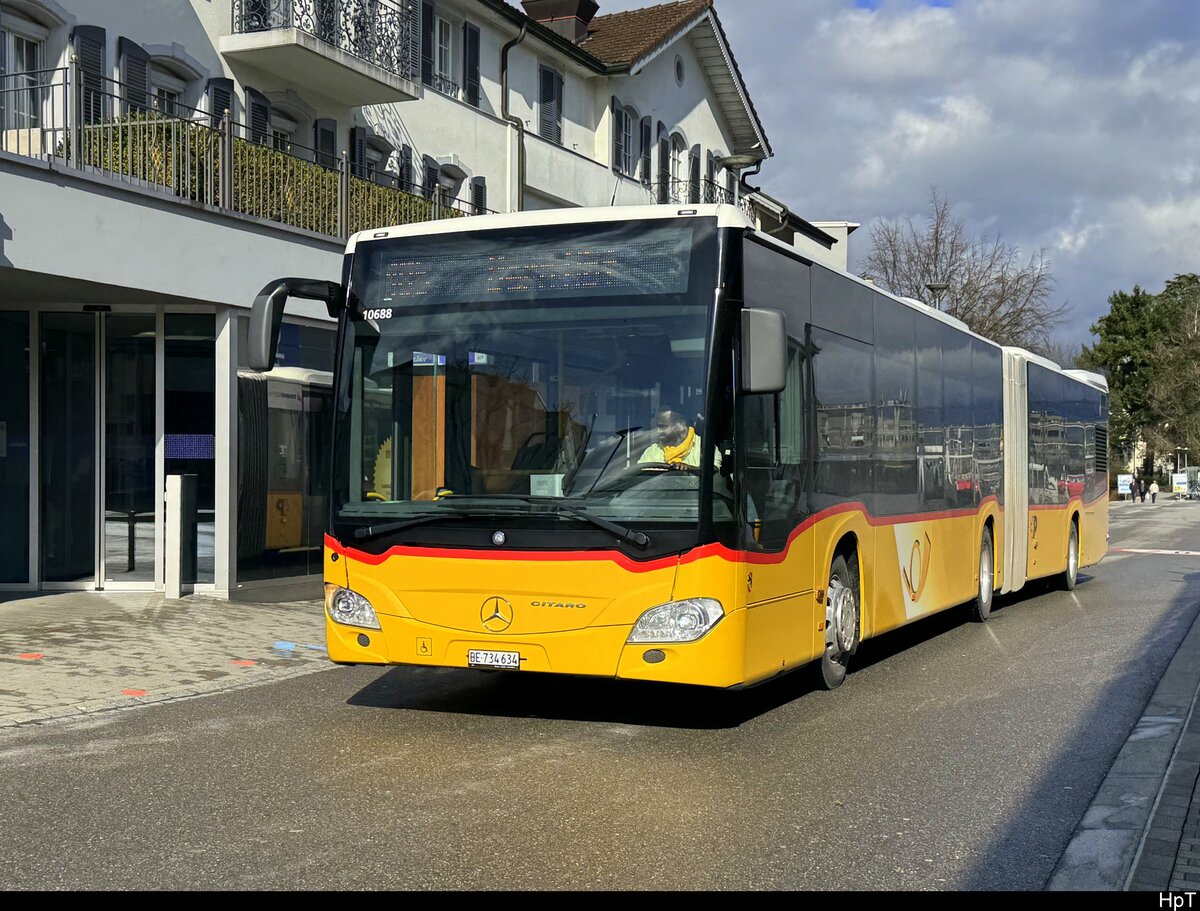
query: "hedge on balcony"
185, 157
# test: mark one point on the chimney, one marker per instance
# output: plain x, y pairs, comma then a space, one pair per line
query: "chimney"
568, 18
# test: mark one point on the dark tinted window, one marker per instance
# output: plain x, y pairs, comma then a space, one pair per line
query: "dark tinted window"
1047, 437
842, 305
931, 432
774, 428
845, 415
895, 421
961, 482
988, 405
774, 280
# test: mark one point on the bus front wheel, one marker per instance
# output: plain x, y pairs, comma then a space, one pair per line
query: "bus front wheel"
981, 607
1071, 574
841, 624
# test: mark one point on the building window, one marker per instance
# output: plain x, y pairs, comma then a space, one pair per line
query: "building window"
168, 101
679, 166
283, 131
627, 123
445, 58
550, 92
167, 90
21, 44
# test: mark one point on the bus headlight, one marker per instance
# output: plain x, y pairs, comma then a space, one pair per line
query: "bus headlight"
349, 608
677, 621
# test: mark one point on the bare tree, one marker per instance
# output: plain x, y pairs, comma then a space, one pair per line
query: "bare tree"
1065, 354
988, 287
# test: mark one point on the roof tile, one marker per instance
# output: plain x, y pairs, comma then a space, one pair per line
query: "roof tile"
621, 39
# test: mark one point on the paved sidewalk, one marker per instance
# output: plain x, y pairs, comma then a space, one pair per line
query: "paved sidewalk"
71, 653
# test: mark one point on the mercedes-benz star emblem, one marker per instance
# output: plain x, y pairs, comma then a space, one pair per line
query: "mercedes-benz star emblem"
498, 538
496, 614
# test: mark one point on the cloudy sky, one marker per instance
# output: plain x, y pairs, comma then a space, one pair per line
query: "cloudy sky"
1070, 125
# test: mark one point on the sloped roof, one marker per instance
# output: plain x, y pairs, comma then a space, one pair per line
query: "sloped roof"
621, 39
622, 43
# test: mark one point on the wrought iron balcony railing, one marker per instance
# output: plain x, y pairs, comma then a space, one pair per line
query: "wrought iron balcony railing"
215, 162
382, 32
446, 86
692, 192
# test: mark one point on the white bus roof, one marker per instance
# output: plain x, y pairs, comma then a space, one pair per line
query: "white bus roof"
727, 216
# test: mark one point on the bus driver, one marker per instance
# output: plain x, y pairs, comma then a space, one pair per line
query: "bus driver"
678, 443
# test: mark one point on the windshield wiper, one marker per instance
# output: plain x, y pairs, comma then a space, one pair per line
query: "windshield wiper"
620, 532
374, 531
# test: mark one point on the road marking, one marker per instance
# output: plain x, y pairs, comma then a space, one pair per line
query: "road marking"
1159, 553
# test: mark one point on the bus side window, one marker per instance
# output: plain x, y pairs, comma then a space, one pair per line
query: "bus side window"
775, 458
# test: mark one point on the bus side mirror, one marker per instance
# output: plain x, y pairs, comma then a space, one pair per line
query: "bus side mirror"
764, 351
266, 316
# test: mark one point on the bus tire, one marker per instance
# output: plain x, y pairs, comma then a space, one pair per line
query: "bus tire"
1071, 573
841, 624
981, 607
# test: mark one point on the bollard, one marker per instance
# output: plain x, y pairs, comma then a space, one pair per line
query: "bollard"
180, 564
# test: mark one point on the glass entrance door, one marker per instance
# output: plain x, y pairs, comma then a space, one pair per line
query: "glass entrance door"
97, 450
128, 449
69, 418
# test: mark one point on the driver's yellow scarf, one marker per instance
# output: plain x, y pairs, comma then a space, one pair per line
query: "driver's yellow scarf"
673, 454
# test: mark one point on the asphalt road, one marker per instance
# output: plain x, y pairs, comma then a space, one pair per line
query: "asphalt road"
957, 756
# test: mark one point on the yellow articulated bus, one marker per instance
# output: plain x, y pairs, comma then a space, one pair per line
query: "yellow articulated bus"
651, 443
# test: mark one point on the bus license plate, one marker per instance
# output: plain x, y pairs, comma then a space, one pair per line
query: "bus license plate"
508, 660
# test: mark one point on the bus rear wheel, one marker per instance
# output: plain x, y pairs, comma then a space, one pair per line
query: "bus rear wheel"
841, 624
981, 607
1071, 574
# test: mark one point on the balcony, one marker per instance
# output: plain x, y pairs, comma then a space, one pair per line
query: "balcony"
693, 192
353, 51
219, 164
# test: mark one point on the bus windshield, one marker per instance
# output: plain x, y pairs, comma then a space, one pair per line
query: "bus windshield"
519, 371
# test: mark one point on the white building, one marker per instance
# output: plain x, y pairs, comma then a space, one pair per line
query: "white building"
160, 162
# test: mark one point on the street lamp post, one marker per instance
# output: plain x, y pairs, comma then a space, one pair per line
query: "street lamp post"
937, 289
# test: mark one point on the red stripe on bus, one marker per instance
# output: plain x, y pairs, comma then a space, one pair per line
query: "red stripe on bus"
625, 562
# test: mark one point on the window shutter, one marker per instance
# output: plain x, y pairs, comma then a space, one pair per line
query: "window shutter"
358, 151
479, 195
427, 43
258, 114
135, 74
325, 141
664, 165
220, 98
90, 41
406, 169
558, 107
430, 184
647, 145
546, 103
471, 63
710, 178
694, 175
618, 128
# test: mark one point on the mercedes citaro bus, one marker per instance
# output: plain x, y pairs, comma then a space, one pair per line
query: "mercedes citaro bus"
652, 443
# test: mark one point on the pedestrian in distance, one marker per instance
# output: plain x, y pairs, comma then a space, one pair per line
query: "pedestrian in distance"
1153, 491
1142, 490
